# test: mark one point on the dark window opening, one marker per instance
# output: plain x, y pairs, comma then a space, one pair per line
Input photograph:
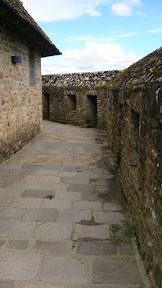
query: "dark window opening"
32, 69
46, 105
91, 111
71, 99
134, 139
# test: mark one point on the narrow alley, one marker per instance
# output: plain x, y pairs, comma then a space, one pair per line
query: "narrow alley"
64, 222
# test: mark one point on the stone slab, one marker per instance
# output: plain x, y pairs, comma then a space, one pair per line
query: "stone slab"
68, 195
88, 205
19, 266
26, 202
18, 244
12, 213
54, 247
119, 271
42, 215
31, 166
53, 167
29, 193
96, 248
101, 232
75, 168
64, 270
81, 188
59, 231
16, 229
74, 216
109, 217
57, 204
6, 285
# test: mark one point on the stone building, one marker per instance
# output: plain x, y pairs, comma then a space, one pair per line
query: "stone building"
76, 98
128, 105
22, 44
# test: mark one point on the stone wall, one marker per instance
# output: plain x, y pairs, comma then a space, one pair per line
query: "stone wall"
20, 103
129, 107
133, 125
76, 98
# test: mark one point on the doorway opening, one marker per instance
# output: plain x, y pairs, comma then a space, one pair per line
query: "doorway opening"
91, 111
46, 106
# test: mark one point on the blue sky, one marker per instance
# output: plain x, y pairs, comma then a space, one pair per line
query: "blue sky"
97, 35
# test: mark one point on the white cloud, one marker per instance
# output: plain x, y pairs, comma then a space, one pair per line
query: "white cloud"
93, 57
125, 8
156, 30
50, 10
122, 9
90, 38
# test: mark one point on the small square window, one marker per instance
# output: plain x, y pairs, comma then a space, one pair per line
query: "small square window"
71, 102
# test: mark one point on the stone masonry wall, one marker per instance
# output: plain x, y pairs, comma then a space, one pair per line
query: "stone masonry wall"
133, 125
20, 103
129, 107
76, 98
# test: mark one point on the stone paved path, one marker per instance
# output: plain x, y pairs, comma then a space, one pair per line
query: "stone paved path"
63, 220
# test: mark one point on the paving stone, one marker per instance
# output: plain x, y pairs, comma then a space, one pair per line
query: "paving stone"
68, 195
75, 168
12, 213
37, 193
26, 202
31, 166
96, 248
74, 216
88, 205
43, 215
101, 232
64, 270
81, 188
50, 173
18, 244
16, 229
6, 202
2, 242
54, 247
53, 167
119, 271
57, 204
75, 180
126, 249
10, 177
109, 217
6, 284
111, 207
90, 197
19, 266
59, 231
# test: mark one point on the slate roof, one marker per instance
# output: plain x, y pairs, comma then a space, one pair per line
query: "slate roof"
15, 16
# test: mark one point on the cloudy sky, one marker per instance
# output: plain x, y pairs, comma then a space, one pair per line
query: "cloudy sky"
97, 35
